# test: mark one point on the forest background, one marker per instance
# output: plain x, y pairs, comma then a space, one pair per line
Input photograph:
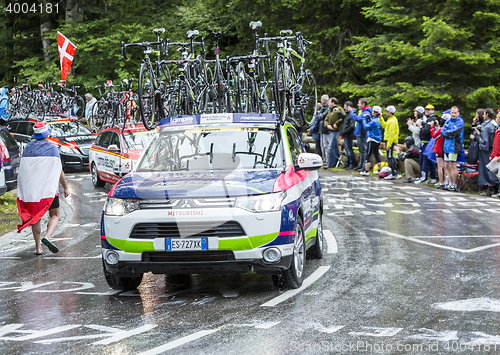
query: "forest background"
393, 52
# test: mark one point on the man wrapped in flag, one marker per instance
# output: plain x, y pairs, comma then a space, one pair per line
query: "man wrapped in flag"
40, 173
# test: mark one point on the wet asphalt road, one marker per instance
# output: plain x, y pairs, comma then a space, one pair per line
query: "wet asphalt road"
410, 270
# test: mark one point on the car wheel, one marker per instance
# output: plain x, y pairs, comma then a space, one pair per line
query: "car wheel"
319, 247
121, 283
96, 181
294, 276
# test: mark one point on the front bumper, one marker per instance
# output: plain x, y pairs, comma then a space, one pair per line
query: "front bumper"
74, 161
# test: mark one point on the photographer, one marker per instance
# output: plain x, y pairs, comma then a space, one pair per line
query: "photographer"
373, 139
334, 121
348, 135
438, 149
410, 159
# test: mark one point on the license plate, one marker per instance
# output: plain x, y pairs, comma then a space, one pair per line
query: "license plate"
186, 244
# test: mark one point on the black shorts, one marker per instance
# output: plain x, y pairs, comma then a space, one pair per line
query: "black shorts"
55, 203
373, 148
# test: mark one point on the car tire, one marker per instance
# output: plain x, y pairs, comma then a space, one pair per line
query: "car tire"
121, 283
294, 276
96, 181
319, 247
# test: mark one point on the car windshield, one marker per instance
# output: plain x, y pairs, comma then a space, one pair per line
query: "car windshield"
223, 148
68, 128
137, 140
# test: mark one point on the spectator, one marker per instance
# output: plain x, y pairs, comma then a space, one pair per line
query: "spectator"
414, 125
314, 130
495, 154
391, 135
359, 130
348, 135
485, 135
453, 133
438, 149
473, 151
410, 159
324, 133
333, 121
373, 139
88, 108
427, 166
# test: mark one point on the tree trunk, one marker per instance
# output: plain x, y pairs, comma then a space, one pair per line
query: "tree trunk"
71, 10
45, 27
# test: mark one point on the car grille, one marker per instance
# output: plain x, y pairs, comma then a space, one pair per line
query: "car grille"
191, 229
187, 256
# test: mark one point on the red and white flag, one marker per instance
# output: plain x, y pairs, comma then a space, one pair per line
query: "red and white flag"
66, 54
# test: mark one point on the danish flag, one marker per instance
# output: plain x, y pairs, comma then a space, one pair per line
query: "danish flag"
66, 54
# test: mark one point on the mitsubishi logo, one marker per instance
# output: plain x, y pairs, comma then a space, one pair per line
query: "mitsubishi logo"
185, 204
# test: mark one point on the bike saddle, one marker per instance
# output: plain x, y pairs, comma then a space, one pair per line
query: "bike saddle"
286, 32
215, 36
192, 34
159, 31
254, 25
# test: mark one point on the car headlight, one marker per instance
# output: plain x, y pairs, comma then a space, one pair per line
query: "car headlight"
68, 150
261, 203
120, 207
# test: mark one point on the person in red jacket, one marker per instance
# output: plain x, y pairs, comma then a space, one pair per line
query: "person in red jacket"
438, 148
495, 153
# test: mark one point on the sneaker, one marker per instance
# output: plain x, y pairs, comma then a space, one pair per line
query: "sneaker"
451, 187
398, 176
439, 186
407, 181
431, 181
364, 173
420, 181
390, 177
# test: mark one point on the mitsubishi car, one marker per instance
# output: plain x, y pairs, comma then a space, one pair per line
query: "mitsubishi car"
216, 193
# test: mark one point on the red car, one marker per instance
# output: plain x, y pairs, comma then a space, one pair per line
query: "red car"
114, 153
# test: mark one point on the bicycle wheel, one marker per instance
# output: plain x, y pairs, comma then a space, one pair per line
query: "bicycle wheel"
211, 94
309, 95
148, 98
280, 88
243, 100
78, 107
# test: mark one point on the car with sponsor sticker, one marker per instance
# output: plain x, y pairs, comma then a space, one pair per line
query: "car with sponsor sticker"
11, 158
72, 138
115, 151
216, 193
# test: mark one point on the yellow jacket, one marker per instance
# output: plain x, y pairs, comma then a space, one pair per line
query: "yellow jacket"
391, 130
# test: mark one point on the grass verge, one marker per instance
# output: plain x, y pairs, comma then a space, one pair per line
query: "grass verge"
9, 217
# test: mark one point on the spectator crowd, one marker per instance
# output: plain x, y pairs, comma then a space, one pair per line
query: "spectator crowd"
433, 154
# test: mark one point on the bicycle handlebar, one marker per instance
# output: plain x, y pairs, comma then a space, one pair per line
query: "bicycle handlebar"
145, 45
247, 57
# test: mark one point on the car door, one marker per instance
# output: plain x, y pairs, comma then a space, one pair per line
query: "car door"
308, 193
101, 154
114, 156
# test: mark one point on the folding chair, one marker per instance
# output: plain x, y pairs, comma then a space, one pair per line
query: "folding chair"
468, 177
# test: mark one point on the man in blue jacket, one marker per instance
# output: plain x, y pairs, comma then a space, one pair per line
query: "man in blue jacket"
453, 133
365, 111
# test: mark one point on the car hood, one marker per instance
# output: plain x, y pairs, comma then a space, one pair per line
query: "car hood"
77, 140
195, 184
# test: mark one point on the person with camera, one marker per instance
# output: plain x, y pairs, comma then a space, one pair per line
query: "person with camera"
348, 135
360, 132
427, 166
334, 121
373, 139
485, 135
410, 159
453, 134
438, 149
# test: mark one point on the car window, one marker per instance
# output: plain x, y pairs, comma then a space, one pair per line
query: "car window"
9, 141
137, 140
115, 139
104, 142
31, 130
295, 145
22, 128
68, 128
224, 148
12, 126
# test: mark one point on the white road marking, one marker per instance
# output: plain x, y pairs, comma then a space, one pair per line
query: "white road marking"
73, 257
456, 236
413, 239
407, 211
4, 251
470, 305
10, 257
378, 332
179, 342
331, 242
109, 293
290, 293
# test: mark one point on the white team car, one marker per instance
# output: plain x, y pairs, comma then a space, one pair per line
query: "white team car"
215, 193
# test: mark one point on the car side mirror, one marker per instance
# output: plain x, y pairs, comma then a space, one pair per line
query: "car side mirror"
113, 147
309, 161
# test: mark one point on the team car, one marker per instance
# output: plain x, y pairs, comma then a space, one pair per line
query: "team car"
71, 137
115, 152
215, 193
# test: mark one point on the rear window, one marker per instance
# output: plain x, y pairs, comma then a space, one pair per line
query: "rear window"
10, 142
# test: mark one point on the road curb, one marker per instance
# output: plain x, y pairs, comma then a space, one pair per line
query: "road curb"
18, 241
